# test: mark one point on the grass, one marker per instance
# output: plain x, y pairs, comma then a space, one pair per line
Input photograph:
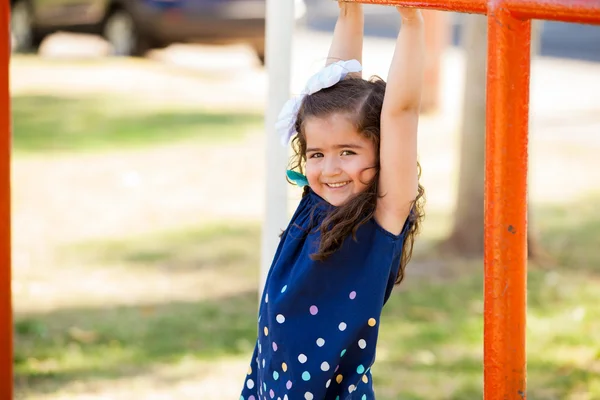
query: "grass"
431, 334
65, 124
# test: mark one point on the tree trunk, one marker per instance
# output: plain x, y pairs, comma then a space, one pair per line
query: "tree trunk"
466, 238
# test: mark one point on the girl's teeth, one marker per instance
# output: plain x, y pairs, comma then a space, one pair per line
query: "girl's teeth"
336, 185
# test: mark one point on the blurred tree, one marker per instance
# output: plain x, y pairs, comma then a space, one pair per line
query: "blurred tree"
466, 238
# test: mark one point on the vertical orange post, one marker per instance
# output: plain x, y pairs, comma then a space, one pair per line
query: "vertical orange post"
506, 204
6, 321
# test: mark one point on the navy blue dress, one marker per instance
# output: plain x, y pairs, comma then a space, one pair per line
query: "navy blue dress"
319, 320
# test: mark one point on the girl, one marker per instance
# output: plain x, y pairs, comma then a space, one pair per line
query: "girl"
352, 234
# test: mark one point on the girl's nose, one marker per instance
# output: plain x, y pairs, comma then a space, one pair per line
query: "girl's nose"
331, 167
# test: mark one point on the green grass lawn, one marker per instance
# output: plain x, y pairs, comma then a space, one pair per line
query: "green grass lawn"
43, 124
431, 333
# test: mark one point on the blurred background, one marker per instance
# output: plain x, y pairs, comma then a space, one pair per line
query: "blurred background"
138, 199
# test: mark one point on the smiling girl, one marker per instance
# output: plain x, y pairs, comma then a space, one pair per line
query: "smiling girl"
348, 243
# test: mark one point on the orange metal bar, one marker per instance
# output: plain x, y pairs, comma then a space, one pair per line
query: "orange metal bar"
464, 6
505, 256
6, 318
583, 11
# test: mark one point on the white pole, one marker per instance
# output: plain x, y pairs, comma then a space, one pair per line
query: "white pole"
279, 29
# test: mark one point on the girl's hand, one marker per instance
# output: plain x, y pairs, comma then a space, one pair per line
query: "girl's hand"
349, 7
410, 14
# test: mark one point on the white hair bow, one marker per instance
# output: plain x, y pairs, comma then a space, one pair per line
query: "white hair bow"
327, 77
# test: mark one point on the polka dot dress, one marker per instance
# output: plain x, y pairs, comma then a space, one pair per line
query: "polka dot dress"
319, 321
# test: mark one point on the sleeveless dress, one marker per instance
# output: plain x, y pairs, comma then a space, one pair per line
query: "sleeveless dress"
319, 320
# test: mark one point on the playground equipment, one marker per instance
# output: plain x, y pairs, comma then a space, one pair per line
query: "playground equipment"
505, 258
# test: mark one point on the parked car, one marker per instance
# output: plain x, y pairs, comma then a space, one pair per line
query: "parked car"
132, 27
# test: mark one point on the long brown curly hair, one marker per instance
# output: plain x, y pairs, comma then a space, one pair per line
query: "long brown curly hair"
361, 101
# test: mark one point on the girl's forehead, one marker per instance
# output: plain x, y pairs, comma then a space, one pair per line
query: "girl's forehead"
332, 129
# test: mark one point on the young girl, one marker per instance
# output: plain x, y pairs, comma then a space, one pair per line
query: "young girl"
352, 234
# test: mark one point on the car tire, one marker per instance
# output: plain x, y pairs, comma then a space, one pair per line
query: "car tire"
121, 32
23, 36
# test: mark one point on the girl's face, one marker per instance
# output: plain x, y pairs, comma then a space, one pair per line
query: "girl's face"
339, 160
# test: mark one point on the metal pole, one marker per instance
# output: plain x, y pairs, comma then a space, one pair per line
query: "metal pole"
280, 25
582, 11
463, 6
6, 317
505, 255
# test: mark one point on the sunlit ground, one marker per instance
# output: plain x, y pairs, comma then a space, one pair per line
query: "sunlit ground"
137, 232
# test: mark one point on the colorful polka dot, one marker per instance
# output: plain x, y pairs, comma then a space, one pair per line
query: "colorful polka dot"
288, 385
284, 367
267, 298
249, 370
372, 322
271, 393
250, 384
263, 362
324, 366
265, 386
339, 378
266, 331
308, 396
306, 376
352, 295
280, 318
251, 397
275, 375
360, 369
365, 379
351, 388
274, 346
342, 326
285, 397
362, 343
283, 289
302, 358
342, 353
320, 342
313, 310
328, 383
364, 397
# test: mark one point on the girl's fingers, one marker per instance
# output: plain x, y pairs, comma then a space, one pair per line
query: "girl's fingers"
408, 14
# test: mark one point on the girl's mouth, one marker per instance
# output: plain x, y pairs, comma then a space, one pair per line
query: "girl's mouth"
337, 185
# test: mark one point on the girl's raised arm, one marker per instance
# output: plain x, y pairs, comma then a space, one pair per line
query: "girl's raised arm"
347, 41
398, 178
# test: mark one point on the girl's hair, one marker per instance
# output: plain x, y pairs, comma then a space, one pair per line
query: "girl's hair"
361, 101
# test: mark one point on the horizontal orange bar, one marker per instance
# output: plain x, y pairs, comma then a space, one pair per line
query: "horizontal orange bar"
463, 6
583, 11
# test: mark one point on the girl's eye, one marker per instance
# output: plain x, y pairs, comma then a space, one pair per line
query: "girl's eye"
348, 153
316, 155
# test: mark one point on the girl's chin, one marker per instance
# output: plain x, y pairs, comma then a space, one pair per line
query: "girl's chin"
337, 199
